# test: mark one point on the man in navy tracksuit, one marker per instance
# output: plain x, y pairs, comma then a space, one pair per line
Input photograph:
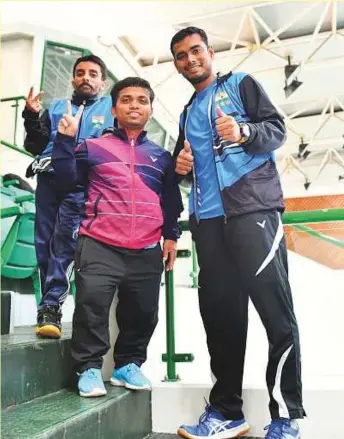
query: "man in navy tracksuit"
228, 132
58, 213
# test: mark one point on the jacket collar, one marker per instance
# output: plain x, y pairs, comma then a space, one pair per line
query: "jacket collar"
121, 134
78, 99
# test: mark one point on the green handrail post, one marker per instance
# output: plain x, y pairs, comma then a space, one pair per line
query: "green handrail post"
16, 100
16, 105
194, 266
171, 357
170, 341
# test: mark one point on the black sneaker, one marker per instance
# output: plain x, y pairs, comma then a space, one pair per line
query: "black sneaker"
49, 321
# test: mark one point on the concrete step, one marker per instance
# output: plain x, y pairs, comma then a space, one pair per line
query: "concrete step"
185, 402
122, 414
32, 367
175, 436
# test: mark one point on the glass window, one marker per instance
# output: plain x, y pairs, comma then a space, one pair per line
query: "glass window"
171, 144
155, 132
110, 82
57, 75
58, 71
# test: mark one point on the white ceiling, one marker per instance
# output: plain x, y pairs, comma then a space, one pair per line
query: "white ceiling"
255, 37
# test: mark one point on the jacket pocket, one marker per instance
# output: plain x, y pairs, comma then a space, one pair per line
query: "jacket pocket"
95, 212
80, 252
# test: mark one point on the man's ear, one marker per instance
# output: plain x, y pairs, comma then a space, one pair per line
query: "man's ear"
211, 52
103, 85
113, 111
176, 66
73, 84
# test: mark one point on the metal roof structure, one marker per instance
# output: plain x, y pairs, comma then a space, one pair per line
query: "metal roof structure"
294, 48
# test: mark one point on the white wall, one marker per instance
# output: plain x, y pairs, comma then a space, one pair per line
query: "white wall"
16, 57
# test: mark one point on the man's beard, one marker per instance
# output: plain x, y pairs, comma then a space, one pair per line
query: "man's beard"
199, 79
88, 93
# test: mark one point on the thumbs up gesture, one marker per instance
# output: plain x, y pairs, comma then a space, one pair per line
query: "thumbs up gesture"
69, 124
227, 127
184, 162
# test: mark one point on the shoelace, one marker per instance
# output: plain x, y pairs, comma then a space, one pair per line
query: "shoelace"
91, 374
50, 313
205, 415
275, 428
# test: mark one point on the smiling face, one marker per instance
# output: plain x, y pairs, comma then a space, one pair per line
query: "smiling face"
133, 108
88, 79
193, 59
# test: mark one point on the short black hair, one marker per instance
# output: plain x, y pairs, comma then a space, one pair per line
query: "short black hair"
132, 81
186, 32
96, 60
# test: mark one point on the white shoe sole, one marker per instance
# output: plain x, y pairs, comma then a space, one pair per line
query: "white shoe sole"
93, 394
241, 430
120, 383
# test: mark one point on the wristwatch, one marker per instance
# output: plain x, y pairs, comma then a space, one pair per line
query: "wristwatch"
245, 132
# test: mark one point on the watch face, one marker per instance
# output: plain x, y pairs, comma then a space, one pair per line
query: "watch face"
245, 131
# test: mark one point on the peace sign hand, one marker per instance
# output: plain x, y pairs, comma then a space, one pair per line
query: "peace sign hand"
69, 124
33, 103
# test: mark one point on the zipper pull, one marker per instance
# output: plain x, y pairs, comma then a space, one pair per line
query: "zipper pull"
84, 102
132, 142
225, 219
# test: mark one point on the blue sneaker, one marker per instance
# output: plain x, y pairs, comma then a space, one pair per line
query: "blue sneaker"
131, 377
213, 424
91, 383
283, 429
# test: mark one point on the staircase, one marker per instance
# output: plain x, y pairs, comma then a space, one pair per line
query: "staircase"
39, 400
37, 404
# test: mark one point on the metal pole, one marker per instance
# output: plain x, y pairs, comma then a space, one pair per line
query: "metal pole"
313, 216
16, 105
194, 266
331, 240
170, 341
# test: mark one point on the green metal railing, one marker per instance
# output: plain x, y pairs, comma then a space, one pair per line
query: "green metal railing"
15, 148
295, 219
313, 216
16, 100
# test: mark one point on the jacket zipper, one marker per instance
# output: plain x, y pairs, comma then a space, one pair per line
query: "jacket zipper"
217, 175
80, 123
194, 181
95, 210
133, 193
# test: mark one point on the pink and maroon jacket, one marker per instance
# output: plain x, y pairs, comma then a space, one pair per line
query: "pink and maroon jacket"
132, 196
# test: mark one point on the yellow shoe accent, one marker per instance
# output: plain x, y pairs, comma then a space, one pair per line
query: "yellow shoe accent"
49, 331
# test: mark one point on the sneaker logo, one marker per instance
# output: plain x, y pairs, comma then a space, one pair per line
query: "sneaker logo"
154, 159
262, 224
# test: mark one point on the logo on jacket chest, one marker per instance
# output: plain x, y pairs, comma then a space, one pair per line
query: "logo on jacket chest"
222, 99
98, 121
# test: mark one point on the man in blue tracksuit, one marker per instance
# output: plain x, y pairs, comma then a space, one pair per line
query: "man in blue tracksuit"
58, 213
228, 132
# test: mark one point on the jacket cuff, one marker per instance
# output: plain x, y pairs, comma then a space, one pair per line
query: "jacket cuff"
249, 142
30, 115
65, 139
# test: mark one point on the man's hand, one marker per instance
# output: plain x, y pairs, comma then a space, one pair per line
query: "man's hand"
69, 124
169, 253
227, 127
33, 103
184, 162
